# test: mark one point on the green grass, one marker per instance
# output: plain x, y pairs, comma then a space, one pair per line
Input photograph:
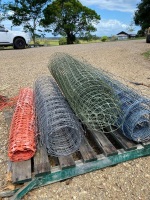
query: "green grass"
90, 41
50, 42
46, 42
146, 54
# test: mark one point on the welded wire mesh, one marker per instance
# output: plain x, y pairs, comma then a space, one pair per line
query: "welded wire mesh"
91, 98
87, 90
22, 144
59, 128
136, 109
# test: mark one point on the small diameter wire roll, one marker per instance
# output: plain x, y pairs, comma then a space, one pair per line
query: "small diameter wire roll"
59, 128
22, 145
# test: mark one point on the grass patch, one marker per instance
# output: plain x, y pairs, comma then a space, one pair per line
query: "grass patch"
146, 54
90, 41
55, 42
50, 42
46, 42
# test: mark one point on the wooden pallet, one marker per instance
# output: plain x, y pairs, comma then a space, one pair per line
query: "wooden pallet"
97, 151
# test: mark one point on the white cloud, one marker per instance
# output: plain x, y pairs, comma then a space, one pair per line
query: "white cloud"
117, 5
110, 27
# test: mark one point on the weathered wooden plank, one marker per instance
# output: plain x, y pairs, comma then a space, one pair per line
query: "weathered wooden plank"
66, 161
82, 168
41, 162
122, 140
87, 153
104, 144
21, 171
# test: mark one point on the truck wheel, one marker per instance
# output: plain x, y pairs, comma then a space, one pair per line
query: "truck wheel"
19, 43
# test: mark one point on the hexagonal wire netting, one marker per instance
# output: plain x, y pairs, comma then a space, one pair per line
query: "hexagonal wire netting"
92, 99
58, 126
90, 93
135, 107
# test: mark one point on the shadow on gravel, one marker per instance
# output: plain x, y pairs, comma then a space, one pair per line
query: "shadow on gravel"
11, 48
3, 49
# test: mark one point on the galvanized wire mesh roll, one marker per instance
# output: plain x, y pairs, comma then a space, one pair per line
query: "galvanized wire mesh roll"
91, 98
79, 80
136, 109
59, 128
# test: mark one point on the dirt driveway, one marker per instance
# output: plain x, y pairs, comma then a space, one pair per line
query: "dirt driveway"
126, 181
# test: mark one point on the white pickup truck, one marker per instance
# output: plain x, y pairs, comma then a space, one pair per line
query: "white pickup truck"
17, 39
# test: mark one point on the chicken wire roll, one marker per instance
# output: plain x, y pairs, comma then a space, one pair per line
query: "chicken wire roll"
59, 128
135, 119
92, 99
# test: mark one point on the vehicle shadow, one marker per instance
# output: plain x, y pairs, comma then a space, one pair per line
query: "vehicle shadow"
8, 49
4, 49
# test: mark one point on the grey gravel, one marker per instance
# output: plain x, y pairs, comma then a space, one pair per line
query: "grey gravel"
126, 181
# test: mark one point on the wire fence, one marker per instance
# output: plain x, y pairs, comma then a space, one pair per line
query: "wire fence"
59, 128
91, 98
99, 100
135, 107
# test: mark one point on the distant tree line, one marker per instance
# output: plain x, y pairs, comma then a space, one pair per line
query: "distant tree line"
68, 18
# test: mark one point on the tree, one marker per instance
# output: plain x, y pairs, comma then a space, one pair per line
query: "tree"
142, 14
69, 18
141, 33
131, 27
3, 11
28, 13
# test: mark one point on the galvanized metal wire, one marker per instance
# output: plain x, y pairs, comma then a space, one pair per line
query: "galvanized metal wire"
59, 128
91, 98
90, 93
136, 109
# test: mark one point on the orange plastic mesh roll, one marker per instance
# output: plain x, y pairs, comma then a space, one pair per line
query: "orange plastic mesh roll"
22, 145
7, 102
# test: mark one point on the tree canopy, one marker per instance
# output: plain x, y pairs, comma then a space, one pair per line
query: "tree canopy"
3, 11
27, 13
69, 18
142, 14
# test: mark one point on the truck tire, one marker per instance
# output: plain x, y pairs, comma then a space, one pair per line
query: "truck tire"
19, 43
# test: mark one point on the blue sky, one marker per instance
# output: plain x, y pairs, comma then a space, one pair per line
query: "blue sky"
116, 15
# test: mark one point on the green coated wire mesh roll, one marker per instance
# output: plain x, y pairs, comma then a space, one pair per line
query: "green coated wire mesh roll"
92, 99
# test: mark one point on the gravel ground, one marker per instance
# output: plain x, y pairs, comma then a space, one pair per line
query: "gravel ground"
20, 68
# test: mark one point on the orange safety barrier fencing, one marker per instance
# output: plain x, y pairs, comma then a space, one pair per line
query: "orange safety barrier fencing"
22, 144
6, 102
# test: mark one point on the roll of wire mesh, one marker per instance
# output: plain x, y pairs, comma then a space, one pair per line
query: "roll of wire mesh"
97, 98
58, 126
22, 145
136, 109
91, 98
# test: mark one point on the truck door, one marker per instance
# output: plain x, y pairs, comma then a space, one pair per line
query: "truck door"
4, 35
